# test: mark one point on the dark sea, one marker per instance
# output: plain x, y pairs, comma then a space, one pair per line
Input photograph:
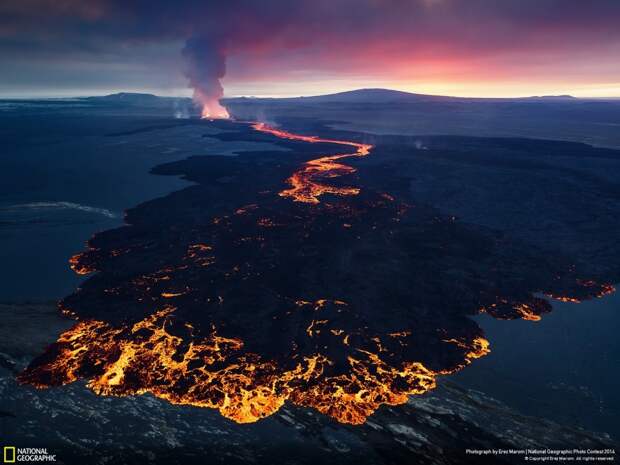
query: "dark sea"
563, 367
64, 175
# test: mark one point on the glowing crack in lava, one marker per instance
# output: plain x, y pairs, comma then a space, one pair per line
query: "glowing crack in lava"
227, 296
305, 185
155, 355
214, 372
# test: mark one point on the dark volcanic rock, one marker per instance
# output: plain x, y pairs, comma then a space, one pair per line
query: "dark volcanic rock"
83, 428
227, 295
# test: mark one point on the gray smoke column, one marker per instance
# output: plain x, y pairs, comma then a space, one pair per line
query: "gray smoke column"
205, 67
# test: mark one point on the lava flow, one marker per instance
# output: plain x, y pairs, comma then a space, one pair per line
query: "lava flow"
225, 324
305, 183
224, 295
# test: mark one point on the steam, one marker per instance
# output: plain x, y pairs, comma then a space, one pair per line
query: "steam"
206, 66
181, 110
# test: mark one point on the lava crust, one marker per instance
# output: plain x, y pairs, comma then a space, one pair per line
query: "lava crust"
287, 277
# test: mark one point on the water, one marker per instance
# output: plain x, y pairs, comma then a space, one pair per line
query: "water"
63, 178
562, 368
70, 170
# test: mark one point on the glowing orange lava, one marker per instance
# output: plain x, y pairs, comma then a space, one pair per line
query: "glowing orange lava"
602, 289
77, 267
211, 109
346, 372
305, 183
208, 114
527, 313
214, 371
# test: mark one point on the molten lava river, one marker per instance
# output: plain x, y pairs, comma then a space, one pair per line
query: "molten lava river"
255, 287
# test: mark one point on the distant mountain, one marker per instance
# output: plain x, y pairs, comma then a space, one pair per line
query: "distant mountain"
126, 97
392, 96
550, 97
352, 96
134, 98
373, 96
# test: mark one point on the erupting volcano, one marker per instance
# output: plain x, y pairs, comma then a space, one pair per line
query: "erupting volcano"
214, 111
205, 67
211, 108
313, 211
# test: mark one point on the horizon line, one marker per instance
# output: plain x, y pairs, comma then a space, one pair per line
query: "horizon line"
164, 94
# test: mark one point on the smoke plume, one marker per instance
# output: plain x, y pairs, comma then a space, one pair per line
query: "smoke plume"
206, 66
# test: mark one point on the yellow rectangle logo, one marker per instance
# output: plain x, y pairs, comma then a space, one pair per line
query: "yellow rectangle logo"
9, 454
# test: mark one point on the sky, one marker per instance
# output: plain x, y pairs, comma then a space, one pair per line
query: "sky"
484, 48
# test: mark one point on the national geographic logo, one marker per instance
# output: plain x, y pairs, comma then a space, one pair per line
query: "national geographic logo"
9, 454
12, 454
